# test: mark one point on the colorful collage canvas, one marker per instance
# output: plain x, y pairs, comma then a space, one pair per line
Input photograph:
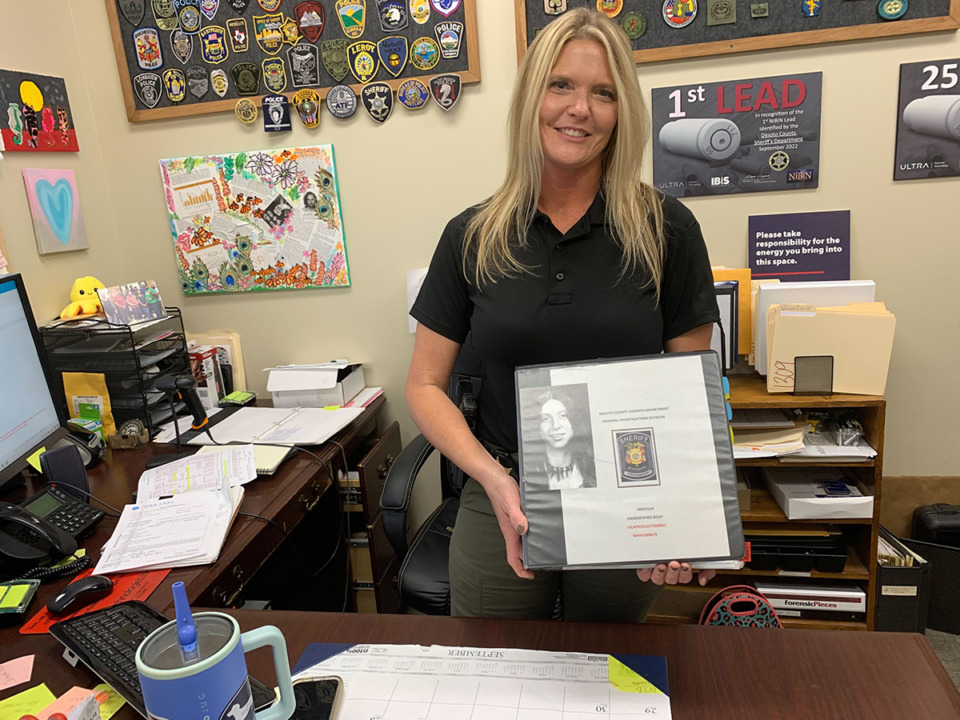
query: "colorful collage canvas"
258, 220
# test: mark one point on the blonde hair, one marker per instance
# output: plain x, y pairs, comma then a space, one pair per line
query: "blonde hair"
633, 207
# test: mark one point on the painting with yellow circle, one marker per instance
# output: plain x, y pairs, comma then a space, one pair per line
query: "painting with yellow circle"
35, 114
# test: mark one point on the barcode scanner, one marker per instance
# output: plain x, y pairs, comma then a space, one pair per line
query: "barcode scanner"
184, 387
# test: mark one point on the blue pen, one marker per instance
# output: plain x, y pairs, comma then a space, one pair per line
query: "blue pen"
186, 630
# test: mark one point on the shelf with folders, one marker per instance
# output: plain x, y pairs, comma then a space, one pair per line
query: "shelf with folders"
131, 359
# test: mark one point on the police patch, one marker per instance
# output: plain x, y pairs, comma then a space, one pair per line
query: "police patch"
276, 113
274, 74
246, 111
420, 10
218, 79
310, 18
554, 7
239, 6
363, 60
424, 53
239, 35
341, 101
266, 28
304, 65
246, 77
188, 13
636, 457
448, 35
334, 55
175, 83
209, 8
307, 103
392, 14
269, 5
132, 10
445, 90
164, 13
447, 7
213, 44
352, 14
290, 31
378, 100
147, 41
148, 87
197, 81
182, 45
413, 94
393, 54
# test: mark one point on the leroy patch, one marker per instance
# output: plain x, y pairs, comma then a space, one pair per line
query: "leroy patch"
364, 63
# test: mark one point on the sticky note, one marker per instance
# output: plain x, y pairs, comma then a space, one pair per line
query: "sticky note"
626, 680
66, 703
14, 672
29, 702
109, 700
34, 459
13, 595
332, 407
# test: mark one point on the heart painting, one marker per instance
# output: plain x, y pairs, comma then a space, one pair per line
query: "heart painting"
55, 207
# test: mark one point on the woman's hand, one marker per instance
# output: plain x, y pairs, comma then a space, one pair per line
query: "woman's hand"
504, 494
674, 573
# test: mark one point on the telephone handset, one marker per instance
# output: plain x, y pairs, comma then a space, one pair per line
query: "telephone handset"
26, 540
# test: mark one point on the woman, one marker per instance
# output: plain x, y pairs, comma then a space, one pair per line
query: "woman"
573, 258
566, 459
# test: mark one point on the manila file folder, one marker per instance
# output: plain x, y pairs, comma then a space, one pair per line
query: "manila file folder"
859, 337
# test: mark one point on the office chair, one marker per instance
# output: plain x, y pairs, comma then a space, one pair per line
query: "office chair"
423, 580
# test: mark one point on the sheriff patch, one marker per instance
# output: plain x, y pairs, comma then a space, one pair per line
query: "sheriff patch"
378, 100
636, 457
266, 29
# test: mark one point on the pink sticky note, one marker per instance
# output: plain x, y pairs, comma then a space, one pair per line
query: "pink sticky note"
16, 671
65, 703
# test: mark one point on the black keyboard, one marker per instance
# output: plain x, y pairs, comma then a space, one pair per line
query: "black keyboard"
106, 641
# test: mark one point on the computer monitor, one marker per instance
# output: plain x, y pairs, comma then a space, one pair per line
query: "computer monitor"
30, 415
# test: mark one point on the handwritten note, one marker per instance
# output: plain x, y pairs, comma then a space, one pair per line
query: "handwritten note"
29, 702
16, 671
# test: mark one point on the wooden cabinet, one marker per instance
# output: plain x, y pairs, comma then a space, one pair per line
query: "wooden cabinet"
750, 392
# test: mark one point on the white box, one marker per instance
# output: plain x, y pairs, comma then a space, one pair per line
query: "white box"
797, 491
315, 385
829, 598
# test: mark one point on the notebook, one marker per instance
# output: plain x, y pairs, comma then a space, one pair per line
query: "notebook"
267, 458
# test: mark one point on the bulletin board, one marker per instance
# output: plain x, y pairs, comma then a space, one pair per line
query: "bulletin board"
131, 20
784, 26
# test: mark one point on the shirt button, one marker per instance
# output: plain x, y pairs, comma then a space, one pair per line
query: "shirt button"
560, 246
559, 276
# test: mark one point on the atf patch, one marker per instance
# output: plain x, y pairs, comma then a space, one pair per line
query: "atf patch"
182, 45
198, 83
276, 113
304, 65
811, 8
364, 62
393, 14
310, 18
721, 12
246, 111
209, 8
892, 9
554, 7
334, 55
266, 28
188, 13
148, 87
218, 79
378, 100
679, 13
449, 35
175, 83
165, 14
246, 77
239, 35
132, 10
634, 24
290, 31
424, 53
610, 8
274, 74
420, 11
240, 6
147, 41
269, 5
636, 457
445, 90
449, 7
213, 44
759, 10
341, 101
413, 94
307, 103
393, 54
352, 14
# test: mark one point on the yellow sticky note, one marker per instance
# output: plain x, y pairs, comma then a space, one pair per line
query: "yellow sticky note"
332, 407
626, 680
69, 559
109, 700
14, 595
34, 459
29, 702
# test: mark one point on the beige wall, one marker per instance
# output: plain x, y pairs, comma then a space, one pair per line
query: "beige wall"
400, 182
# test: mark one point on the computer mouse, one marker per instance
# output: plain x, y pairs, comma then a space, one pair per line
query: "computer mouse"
79, 593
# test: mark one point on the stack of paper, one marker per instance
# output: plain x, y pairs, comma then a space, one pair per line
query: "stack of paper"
183, 512
767, 442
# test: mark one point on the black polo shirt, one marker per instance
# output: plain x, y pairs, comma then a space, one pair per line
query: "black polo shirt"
574, 306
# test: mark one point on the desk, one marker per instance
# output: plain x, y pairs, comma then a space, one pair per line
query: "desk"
715, 673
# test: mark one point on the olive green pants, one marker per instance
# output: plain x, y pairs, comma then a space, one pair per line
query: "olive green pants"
482, 584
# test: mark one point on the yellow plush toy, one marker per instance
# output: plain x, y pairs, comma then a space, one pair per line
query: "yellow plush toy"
84, 298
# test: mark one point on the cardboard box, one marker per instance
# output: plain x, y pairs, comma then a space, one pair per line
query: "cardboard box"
315, 385
818, 597
800, 494
206, 369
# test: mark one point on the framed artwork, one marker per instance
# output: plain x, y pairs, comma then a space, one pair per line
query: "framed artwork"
55, 208
190, 57
257, 220
35, 114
